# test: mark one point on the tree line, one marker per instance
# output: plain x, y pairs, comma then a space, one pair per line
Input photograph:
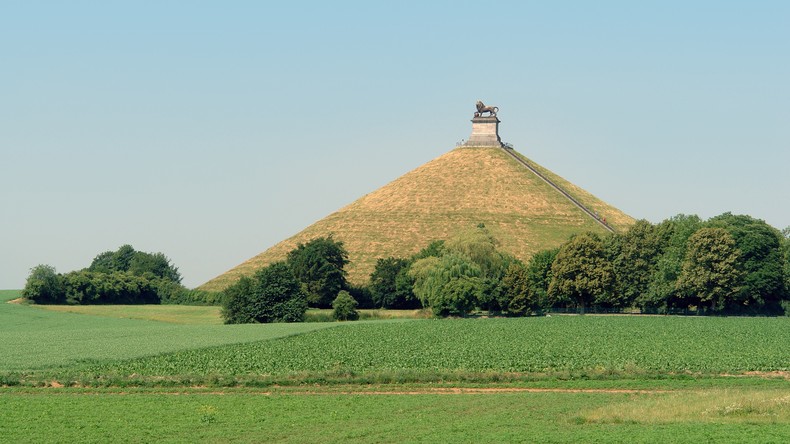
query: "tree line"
729, 264
124, 276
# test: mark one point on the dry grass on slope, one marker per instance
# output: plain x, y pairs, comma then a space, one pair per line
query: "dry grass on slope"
456, 191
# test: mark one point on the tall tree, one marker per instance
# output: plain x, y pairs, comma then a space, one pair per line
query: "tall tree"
320, 266
786, 247
479, 246
525, 287
635, 260
761, 262
581, 273
709, 275
539, 277
662, 294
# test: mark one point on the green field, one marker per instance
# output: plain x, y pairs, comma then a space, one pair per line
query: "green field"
195, 416
170, 374
36, 339
559, 344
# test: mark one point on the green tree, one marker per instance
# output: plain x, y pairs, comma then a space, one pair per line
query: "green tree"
662, 294
761, 262
581, 273
539, 276
458, 296
109, 261
709, 275
517, 299
635, 258
239, 304
390, 286
344, 307
479, 246
273, 294
320, 266
155, 263
431, 276
434, 249
786, 247
44, 286
127, 259
124, 276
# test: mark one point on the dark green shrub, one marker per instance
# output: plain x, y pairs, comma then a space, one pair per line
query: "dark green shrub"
272, 295
345, 307
44, 286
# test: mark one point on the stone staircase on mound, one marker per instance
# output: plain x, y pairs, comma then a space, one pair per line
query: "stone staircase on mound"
573, 200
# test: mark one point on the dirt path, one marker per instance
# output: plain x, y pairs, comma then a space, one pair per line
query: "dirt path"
347, 391
460, 391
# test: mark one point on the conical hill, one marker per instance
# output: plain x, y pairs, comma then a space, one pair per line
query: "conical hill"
454, 192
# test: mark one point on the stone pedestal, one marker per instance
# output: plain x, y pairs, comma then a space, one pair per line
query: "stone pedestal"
485, 132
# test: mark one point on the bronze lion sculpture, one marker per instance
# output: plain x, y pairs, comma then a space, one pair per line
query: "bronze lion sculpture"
491, 110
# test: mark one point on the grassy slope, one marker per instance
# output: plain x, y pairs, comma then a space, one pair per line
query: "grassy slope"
453, 192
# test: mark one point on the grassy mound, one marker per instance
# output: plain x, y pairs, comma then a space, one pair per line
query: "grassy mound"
454, 192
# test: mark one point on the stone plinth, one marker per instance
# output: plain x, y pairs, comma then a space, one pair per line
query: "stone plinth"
485, 132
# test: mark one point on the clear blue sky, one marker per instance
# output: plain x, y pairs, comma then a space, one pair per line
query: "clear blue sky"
210, 131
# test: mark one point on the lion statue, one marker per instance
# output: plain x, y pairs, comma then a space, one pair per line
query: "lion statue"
491, 110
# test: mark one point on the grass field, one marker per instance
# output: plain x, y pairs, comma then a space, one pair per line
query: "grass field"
555, 345
145, 373
36, 339
198, 416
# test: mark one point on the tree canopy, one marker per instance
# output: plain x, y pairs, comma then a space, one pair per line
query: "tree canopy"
391, 286
582, 274
320, 266
272, 294
138, 263
729, 264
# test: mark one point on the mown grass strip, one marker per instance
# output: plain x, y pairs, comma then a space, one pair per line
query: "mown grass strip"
199, 416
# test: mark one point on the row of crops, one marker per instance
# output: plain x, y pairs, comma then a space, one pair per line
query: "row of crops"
559, 343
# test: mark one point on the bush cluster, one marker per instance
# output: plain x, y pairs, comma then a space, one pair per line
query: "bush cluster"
124, 276
272, 294
313, 275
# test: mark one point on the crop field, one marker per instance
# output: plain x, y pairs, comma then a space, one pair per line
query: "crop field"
135, 374
617, 344
35, 339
